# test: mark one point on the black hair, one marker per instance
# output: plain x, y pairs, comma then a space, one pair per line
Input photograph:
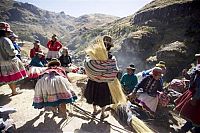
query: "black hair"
2, 33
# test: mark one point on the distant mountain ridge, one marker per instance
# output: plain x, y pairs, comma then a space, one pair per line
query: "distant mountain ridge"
28, 21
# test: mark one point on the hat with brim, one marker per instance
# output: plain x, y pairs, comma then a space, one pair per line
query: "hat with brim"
5, 26
197, 55
108, 39
54, 62
131, 66
160, 64
40, 53
157, 71
13, 35
198, 67
37, 42
54, 36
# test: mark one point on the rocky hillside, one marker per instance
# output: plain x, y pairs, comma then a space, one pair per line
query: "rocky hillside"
165, 30
29, 21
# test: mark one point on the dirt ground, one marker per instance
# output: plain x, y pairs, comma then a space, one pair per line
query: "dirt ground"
30, 120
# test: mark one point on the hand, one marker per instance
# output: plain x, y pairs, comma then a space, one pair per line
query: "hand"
193, 101
131, 96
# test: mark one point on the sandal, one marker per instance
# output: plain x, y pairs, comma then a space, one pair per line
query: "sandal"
103, 116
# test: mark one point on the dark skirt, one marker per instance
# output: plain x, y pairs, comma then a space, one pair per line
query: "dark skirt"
186, 110
98, 93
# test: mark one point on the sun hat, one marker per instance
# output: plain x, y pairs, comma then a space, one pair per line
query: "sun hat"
5, 26
40, 53
197, 55
36, 42
55, 36
13, 35
157, 71
131, 66
108, 39
160, 64
198, 67
54, 62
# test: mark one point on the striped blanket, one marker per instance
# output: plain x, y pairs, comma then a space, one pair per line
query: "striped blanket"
101, 71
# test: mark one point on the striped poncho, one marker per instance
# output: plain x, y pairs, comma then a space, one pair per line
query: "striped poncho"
101, 71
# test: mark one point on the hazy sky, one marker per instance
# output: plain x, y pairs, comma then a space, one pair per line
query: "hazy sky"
77, 8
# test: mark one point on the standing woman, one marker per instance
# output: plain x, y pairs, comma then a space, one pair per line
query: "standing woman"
54, 47
11, 68
98, 93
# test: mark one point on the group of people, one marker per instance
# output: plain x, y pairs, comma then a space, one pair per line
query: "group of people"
53, 88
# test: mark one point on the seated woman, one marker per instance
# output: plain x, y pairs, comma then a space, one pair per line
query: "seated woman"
53, 89
129, 80
148, 98
37, 65
65, 59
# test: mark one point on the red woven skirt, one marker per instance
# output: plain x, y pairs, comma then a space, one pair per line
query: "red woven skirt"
186, 110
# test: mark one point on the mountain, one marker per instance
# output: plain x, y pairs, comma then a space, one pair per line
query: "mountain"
167, 30
29, 21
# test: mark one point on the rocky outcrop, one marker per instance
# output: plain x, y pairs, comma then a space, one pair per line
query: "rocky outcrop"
173, 38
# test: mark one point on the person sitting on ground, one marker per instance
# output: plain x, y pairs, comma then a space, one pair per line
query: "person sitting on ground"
11, 67
35, 49
65, 59
14, 38
148, 97
54, 89
129, 80
54, 47
38, 60
188, 105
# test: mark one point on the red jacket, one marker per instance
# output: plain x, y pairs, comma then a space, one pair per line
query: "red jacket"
55, 47
33, 51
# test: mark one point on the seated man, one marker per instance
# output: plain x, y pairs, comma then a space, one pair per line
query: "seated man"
129, 80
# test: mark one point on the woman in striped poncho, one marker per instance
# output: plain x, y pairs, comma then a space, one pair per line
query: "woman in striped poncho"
97, 90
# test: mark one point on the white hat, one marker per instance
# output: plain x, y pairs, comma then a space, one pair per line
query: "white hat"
198, 67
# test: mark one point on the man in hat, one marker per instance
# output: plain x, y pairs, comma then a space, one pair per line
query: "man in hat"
129, 79
54, 47
13, 37
35, 49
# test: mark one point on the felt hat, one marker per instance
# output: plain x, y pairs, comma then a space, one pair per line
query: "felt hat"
157, 71
13, 35
160, 64
197, 55
54, 62
131, 66
55, 36
40, 53
198, 67
5, 26
36, 42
